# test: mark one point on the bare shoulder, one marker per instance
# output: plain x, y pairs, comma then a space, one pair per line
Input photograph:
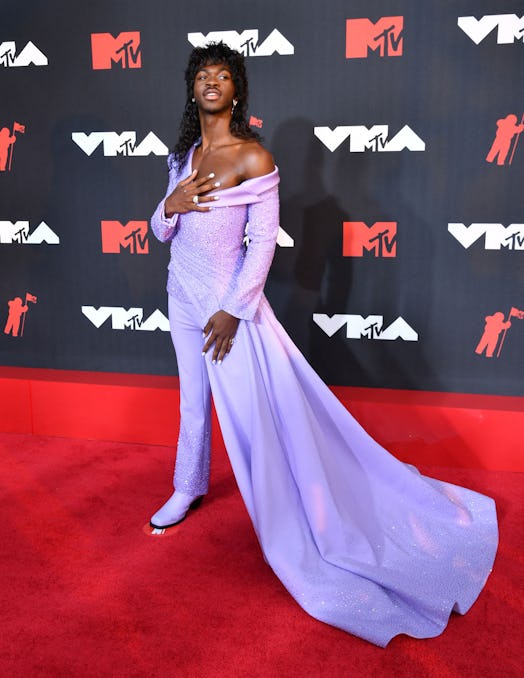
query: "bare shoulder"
256, 160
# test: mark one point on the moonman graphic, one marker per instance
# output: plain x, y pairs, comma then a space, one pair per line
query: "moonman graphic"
506, 129
495, 324
6, 140
16, 308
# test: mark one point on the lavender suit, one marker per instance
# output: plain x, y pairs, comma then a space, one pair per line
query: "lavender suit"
359, 539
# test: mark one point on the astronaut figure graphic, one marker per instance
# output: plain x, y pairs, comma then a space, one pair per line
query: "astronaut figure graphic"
506, 129
495, 324
16, 309
6, 141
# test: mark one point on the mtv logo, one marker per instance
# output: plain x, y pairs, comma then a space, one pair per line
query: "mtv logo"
119, 144
126, 319
18, 232
384, 36
510, 27
370, 327
374, 138
131, 237
30, 55
496, 236
246, 42
380, 239
124, 49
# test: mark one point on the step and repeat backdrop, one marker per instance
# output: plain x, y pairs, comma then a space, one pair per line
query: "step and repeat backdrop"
398, 129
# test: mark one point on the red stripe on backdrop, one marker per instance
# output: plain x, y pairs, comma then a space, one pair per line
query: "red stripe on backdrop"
445, 429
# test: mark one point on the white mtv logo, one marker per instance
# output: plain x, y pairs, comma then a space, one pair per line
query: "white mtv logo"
18, 232
509, 27
496, 236
374, 138
29, 55
246, 42
370, 327
126, 319
119, 144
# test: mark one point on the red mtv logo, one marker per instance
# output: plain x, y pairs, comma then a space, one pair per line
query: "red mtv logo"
107, 50
117, 237
386, 36
381, 239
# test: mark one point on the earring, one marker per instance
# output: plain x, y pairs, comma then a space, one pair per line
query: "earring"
235, 102
193, 100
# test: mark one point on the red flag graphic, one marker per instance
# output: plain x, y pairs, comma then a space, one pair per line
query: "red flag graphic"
30, 297
516, 313
17, 127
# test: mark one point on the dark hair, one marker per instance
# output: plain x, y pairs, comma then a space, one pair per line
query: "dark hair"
189, 131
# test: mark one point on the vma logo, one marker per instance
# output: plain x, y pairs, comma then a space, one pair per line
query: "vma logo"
495, 331
370, 138
385, 37
126, 319
496, 236
379, 239
18, 232
124, 50
119, 144
17, 313
246, 42
131, 237
509, 27
29, 56
370, 327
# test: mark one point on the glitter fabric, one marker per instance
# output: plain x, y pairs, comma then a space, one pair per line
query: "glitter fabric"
360, 540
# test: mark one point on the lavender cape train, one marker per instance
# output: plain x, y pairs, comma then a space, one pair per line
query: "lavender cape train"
361, 540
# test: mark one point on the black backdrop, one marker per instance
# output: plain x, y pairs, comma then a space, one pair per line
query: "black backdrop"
448, 90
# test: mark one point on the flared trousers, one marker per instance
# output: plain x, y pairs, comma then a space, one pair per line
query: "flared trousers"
194, 440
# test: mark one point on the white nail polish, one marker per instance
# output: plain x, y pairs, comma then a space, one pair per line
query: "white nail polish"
216, 197
217, 184
220, 362
211, 175
203, 354
214, 362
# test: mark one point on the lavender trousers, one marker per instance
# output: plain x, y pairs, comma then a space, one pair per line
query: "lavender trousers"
194, 440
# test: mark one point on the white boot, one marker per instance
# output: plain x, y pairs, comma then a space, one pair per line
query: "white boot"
174, 510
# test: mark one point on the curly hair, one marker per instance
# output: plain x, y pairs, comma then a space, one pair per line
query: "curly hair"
213, 53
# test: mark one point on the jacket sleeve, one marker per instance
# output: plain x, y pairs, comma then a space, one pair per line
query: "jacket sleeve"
243, 298
163, 227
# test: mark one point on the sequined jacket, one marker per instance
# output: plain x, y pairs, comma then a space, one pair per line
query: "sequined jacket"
211, 267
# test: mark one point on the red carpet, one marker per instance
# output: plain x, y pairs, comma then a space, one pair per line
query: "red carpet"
85, 592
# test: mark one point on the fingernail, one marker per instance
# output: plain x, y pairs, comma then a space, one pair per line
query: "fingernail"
203, 335
217, 183
203, 354
211, 175
216, 197
214, 362
220, 362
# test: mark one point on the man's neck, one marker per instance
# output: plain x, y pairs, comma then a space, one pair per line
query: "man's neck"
215, 131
